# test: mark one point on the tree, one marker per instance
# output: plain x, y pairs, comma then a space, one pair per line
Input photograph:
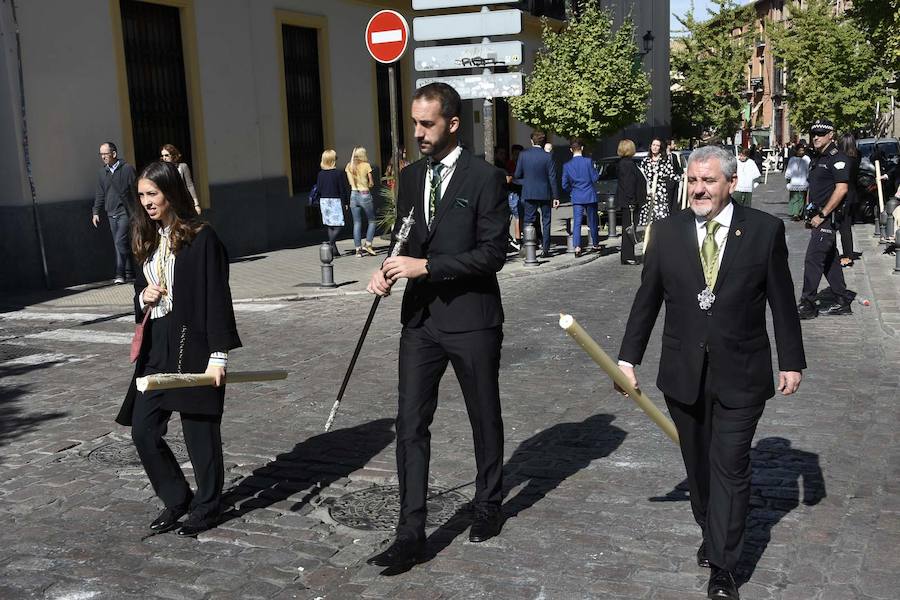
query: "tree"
586, 81
832, 69
709, 70
880, 20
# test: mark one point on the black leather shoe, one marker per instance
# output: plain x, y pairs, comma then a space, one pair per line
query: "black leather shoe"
193, 527
807, 310
838, 308
487, 524
722, 585
544, 254
400, 554
702, 559
168, 519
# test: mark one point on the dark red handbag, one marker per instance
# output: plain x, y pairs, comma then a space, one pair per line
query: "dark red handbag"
138, 338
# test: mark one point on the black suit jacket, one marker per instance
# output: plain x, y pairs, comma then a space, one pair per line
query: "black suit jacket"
753, 271
201, 322
465, 246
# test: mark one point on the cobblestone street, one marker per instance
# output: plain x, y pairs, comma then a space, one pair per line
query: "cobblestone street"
595, 504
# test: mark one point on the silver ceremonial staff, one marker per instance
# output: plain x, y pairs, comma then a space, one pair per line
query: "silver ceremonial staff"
402, 237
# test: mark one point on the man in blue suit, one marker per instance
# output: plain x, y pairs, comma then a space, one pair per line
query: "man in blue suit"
536, 172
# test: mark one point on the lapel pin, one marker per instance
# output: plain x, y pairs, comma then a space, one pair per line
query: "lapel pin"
737, 232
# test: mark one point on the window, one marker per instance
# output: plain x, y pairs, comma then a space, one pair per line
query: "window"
157, 93
303, 96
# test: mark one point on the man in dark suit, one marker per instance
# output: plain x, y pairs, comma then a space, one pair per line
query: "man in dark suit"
451, 313
536, 172
716, 266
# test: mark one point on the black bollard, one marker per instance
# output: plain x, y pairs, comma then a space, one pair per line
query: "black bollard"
890, 225
327, 257
530, 246
611, 215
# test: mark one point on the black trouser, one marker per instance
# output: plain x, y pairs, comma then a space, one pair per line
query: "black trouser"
846, 232
118, 225
627, 249
715, 446
203, 438
424, 354
822, 257
531, 210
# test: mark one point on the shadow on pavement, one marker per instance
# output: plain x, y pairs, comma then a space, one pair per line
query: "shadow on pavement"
14, 421
542, 463
775, 492
310, 467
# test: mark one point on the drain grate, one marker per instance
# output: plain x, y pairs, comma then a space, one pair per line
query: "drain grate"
12, 351
377, 508
123, 454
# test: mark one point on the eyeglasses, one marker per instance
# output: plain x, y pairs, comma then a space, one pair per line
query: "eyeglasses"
102, 154
165, 155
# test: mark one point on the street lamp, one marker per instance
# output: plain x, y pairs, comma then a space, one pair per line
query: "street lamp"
648, 42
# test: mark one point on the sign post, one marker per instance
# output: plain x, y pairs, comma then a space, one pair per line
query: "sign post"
483, 56
387, 35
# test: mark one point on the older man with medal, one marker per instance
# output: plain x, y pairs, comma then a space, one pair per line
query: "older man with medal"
716, 266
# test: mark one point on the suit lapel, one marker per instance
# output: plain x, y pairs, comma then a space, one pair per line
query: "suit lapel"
418, 197
689, 228
733, 243
448, 197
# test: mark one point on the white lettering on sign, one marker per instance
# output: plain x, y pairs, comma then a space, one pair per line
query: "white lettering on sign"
386, 37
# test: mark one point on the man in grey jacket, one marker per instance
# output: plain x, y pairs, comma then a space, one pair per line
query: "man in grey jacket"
115, 195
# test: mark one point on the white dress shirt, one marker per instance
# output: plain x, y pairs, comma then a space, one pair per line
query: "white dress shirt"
724, 220
449, 163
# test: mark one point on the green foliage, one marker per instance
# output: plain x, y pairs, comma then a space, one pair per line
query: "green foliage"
880, 20
387, 216
586, 80
832, 69
708, 68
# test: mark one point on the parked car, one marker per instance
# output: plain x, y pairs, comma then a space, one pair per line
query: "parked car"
889, 149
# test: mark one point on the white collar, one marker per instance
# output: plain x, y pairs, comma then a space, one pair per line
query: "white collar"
723, 218
450, 160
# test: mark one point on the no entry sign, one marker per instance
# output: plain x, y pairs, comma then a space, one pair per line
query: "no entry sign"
386, 36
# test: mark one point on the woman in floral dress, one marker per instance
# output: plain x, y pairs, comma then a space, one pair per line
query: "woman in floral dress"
657, 169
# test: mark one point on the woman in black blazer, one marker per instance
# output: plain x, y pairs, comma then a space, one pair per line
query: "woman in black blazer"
183, 282
631, 194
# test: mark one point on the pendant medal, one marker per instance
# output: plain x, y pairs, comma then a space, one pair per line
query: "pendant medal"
706, 298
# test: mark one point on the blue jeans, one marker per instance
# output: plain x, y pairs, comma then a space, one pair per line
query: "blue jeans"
118, 225
531, 208
591, 210
362, 202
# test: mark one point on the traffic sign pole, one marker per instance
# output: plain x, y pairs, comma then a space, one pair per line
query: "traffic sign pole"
387, 35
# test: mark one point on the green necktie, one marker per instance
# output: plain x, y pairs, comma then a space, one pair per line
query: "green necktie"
709, 254
434, 196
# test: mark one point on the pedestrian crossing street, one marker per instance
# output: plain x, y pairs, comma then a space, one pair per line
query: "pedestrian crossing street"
37, 338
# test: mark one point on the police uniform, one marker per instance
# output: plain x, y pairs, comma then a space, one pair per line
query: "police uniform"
827, 169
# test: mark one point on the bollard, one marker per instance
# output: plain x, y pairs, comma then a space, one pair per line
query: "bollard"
890, 225
326, 257
611, 215
530, 246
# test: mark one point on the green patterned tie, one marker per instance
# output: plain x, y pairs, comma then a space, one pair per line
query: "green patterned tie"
434, 196
709, 254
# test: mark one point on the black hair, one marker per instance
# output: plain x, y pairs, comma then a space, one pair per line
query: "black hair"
112, 147
451, 104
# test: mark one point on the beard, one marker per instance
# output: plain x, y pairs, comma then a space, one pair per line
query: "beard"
702, 211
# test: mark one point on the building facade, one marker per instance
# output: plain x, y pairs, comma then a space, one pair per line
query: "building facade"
251, 92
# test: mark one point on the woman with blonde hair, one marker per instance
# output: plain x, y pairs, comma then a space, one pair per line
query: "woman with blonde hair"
333, 192
170, 154
631, 195
359, 175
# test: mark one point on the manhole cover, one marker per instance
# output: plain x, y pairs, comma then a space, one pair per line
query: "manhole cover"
377, 508
123, 454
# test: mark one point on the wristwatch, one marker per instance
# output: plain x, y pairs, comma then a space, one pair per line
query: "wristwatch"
821, 215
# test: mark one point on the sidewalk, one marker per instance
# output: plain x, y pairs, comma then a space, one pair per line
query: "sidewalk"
295, 274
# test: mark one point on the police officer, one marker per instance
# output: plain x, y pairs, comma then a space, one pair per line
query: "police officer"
829, 175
